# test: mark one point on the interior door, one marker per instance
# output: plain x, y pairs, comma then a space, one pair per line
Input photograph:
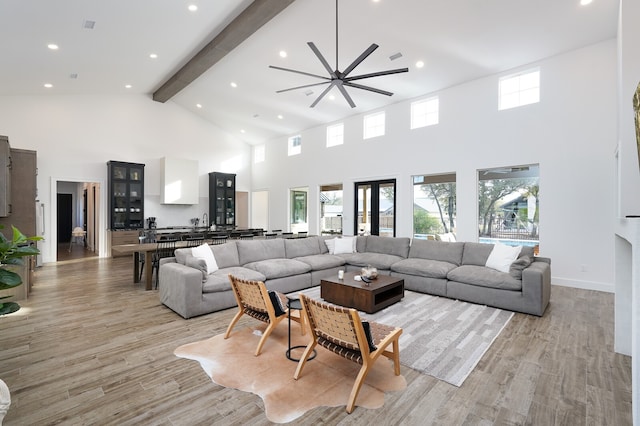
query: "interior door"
65, 218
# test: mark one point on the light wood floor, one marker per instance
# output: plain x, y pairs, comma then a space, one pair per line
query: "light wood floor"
90, 347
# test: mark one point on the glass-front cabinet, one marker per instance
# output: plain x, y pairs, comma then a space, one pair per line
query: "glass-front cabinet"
126, 195
222, 199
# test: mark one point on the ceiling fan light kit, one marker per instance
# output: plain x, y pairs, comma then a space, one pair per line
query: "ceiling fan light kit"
340, 79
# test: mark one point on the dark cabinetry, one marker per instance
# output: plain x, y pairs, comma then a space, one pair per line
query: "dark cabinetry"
23, 187
126, 195
222, 199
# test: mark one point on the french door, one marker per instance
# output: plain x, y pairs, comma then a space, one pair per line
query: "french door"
375, 208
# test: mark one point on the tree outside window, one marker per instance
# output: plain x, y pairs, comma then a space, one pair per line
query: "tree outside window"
434, 205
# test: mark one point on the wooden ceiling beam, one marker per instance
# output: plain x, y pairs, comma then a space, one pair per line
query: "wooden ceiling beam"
248, 22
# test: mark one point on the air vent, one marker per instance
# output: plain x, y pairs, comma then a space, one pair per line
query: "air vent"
73, 75
88, 25
395, 56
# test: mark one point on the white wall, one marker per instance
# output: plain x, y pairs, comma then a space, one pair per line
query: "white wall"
76, 135
571, 133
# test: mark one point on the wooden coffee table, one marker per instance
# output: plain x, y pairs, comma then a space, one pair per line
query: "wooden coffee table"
382, 292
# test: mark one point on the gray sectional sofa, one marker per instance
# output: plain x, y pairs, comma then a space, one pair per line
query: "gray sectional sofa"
451, 269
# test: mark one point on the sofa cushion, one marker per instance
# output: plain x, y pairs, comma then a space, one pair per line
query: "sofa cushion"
484, 277
278, 268
346, 245
437, 250
219, 280
226, 254
251, 251
377, 260
476, 253
398, 246
423, 267
181, 255
318, 262
298, 247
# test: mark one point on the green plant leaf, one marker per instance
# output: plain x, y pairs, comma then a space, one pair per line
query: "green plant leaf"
9, 308
9, 279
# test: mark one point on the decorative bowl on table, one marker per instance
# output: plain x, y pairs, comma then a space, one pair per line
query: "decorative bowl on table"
369, 272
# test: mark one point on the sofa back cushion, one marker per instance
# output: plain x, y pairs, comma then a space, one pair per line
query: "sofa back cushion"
437, 250
298, 247
398, 246
478, 253
226, 254
257, 250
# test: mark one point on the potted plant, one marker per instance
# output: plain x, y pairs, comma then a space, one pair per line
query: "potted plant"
11, 253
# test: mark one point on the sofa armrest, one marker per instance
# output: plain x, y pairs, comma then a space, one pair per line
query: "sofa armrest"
536, 286
180, 287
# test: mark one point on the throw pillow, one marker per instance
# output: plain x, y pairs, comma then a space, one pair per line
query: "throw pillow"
367, 332
276, 301
502, 256
331, 244
343, 245
519, 265
204, 252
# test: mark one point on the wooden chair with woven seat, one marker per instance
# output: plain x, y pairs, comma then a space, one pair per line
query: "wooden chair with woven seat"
341, 331
253, 299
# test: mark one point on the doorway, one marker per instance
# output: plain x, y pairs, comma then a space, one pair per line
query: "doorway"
77, 205
375, 208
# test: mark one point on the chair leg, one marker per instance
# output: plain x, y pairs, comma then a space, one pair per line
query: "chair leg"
362, 374
233, 323
304, 358
266, 334
396, 357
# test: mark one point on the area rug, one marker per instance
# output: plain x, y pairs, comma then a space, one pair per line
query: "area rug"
325, 381
441, 337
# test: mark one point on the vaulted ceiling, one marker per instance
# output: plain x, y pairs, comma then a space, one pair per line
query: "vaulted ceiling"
457, 40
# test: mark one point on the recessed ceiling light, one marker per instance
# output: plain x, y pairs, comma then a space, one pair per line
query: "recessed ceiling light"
127, 86
192, 8
242, 131
585, 2
198, 105
419, 64
331, 97
280, 116
283, 54
48, 85
233, 84
153, 56
53, 46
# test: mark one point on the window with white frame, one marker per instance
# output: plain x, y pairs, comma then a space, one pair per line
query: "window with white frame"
425, 112
295, 145
373, 125
519, 89
258, 153
335, 135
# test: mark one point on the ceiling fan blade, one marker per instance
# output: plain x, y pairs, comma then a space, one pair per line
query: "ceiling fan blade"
324, 92
302, 87
346, 95
377, 74
299, 72
369, 88
359, 59
324, 62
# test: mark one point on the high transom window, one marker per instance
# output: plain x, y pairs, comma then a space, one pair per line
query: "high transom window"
335, 135
519, 89
295, 145
425, 112
374, 125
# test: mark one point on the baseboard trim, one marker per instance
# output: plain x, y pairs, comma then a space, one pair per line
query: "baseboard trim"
584, 285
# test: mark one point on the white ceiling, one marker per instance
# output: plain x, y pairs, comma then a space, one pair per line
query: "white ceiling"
458, 40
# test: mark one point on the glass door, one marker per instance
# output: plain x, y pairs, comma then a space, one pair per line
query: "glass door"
375, 208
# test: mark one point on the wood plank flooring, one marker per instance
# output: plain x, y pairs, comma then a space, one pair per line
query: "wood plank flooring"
91, 347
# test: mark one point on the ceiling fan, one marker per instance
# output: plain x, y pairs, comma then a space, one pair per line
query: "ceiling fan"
338, 78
